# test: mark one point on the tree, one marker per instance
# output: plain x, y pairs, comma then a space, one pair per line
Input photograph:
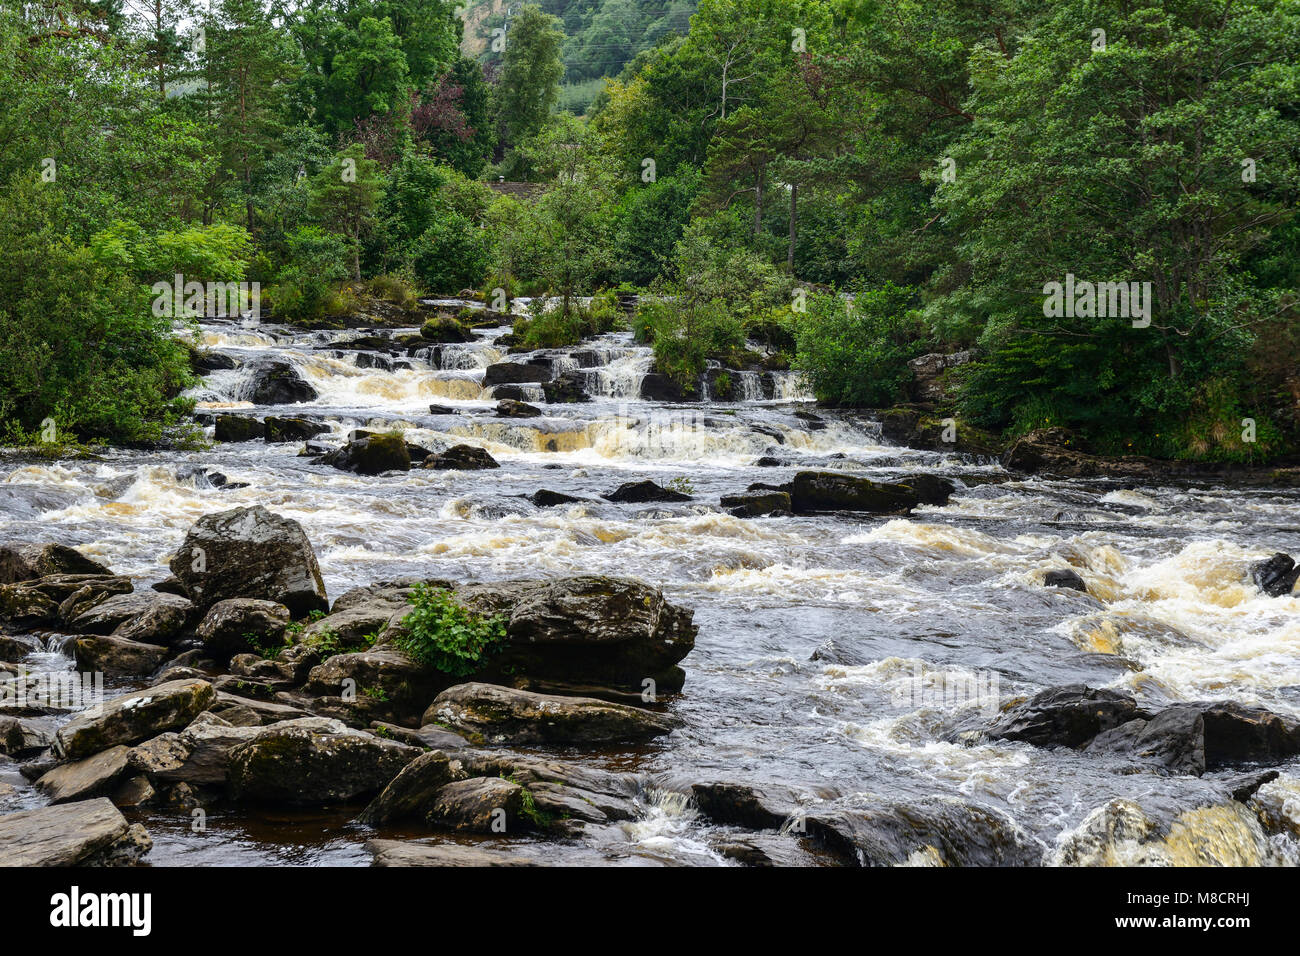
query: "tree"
345, 196
530, 77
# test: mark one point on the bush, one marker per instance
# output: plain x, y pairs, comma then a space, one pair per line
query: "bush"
451, 255
306, 286
443, 634
685, 337
555, 327
857, 354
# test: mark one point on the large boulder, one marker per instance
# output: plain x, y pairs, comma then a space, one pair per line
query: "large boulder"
199, 755
567, 388
1275, 576
639, 492
409, 793
1067, 716
237, 428
755, 504
24, 560
85, 833
385, 678
483, 805
133, 717
607, 631
232, 626
372, 455
139, 615
515, 373
250, 553
813, 491
82, 779
117, 655
495, 714
286, 429
1172, 740
312, 761
278, 383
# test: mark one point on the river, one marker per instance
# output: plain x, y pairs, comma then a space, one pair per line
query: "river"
911, 607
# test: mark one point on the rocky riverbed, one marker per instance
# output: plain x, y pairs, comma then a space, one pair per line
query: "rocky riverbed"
738, 630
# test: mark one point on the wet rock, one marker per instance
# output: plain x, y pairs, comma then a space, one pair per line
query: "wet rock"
206, 361
86, 778
25, 607
515, 393
278, 383
408, 795
199, 755
814, 491
371, 456
933, 831
545, 498
117, 655
754, 504
291, 429
515, 373
1197, 832
169, 585
593, 629
1067, 716
745, 805
1173, 740
134, 717
507, 408
24, 561
1275, 576
314, 761
250, 553
445, 329
1236, 734
461, 458
14, 647
482, 805
429, 736
233, 625
567, 388
134, 791
443, 410
930, 489
1065, 578
657, 387
397, 853
638, 492
833, 652
498, 714
144, 614
237, 428
20, 736
1277, 804
85, 833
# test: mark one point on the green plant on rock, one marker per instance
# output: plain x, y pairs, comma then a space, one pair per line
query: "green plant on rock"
445, 635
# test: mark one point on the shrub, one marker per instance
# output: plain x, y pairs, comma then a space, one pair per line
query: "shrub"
443, 634
452, 254
306, 286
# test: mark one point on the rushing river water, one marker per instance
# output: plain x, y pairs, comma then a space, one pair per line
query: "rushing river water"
912, 608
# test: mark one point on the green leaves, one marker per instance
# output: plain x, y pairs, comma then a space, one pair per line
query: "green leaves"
442, 634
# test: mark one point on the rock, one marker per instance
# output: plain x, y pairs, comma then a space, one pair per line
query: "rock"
929, 489
743, 805
1172, 740
443, 410
351, 628
250, 553
638, 492
134, 717
813, 491
567, 388
291, 429
148, 615
1065, 578
507, 408
593, 629
26, 607
278, 383
444, 329
24, 561
1190, 833
205, 362
231, 626
117, 655
14, 647
934, 831
1235, 734
199, 755
237, 428
397, 853
20, 736
134, 791
86, 778
396, 684
483, 805
754, 504
498, 714
928, 370
169, 585
657, 387
1066, 716
430, 736
1275, 576
87, 833
408, 795
545, 498
515, 373
461, 458
515, 393
371, 456
314, 761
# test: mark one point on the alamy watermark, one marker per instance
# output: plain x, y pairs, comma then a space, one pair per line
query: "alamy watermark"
177, 299
1082, 299
941, 689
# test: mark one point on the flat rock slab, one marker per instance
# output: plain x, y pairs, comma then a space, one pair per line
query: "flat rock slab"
87, 833
84, 778
397, 853
134, 717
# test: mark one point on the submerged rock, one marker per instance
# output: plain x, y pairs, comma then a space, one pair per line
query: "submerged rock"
461, 458
250, 553
545, 498
1195, 832
639, 492
397, 853
498, 714
1065, 578
85, 833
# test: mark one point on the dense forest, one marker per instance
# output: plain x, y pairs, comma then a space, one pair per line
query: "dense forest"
848, 184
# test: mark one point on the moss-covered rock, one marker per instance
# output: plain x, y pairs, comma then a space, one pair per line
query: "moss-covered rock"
372, 455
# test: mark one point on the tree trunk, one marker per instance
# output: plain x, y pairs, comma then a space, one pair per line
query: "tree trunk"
794, 226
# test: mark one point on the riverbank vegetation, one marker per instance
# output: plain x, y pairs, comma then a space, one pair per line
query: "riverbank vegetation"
843, 186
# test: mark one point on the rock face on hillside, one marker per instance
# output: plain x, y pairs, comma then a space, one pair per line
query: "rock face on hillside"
250, 553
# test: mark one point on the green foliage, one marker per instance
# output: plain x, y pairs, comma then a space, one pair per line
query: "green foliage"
856, 353
442, 634
305, 288
452, 254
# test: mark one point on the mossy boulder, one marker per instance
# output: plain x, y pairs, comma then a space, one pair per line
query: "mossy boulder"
442, 328
372, 455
